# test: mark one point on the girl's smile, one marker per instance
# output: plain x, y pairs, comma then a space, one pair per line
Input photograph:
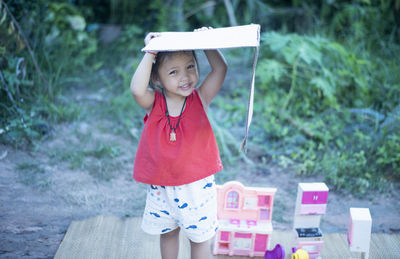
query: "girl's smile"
186, 87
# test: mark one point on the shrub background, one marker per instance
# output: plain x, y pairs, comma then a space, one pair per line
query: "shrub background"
328, 86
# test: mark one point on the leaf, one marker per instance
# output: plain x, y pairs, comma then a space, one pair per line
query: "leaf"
97, 65
20, 42
290, 53
270, 70
275, 40
309, 53
77, 22
324, 85
368, 2
3, 18
54, 33
11, 28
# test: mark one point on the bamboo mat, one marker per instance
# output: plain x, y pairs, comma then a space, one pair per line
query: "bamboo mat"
110, 237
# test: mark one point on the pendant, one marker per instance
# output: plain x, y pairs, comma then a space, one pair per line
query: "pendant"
172, 136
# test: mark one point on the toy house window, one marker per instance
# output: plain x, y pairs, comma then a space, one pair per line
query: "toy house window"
264, 214
232, 201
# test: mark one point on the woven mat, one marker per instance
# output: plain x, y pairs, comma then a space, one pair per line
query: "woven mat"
109, 237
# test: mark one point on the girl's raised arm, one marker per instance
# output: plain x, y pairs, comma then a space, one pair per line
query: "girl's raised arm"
214, 80
141, 79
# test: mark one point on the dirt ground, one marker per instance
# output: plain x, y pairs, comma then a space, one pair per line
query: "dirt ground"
45, 187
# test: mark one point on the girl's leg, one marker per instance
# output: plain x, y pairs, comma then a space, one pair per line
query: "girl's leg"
169, 243
200, 250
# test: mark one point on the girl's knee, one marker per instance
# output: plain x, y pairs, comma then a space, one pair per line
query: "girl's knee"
200, 250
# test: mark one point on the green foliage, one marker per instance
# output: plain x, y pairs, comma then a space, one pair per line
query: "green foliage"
64, 29
228, 144
60, 45
315, 93
130, 39
374, 18
128, 116
325, 70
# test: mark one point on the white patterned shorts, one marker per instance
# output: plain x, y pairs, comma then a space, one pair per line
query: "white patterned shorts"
192, 207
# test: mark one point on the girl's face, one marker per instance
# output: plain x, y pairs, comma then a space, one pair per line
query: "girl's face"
178, 74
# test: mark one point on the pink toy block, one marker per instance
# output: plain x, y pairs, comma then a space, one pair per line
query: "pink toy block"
244, 215
311, 203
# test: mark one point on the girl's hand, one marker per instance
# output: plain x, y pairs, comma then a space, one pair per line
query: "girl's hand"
203, 29
151, 36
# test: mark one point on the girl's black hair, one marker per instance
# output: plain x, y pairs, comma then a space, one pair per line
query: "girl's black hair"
160, 58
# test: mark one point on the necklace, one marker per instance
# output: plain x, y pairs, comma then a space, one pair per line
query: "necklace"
172, 135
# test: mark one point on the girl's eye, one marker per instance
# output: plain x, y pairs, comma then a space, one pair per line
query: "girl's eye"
173, 72
190, 66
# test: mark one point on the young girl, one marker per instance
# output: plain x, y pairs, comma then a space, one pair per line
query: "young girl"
177, 154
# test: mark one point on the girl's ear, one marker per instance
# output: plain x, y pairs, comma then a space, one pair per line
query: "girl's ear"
154, 80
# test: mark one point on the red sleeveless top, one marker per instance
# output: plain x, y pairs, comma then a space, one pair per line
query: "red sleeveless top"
193, 156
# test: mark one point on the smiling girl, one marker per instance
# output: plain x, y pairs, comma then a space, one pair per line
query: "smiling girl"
177, 155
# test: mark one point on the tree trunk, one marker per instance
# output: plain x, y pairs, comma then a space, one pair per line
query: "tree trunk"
231, 13
176, 17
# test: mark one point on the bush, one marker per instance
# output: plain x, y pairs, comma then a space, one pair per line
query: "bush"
56, 34
325, 107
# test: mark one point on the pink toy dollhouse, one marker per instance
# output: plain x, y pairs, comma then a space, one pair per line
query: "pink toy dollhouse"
244, 215
311, 204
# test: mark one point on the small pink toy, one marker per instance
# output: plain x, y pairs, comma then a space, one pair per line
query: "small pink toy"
244, 215
277, 253
311, 203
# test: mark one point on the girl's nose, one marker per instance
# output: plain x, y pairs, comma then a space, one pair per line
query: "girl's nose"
184, 76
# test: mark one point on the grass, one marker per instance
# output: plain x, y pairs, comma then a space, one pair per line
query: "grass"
98, 158
32, 174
